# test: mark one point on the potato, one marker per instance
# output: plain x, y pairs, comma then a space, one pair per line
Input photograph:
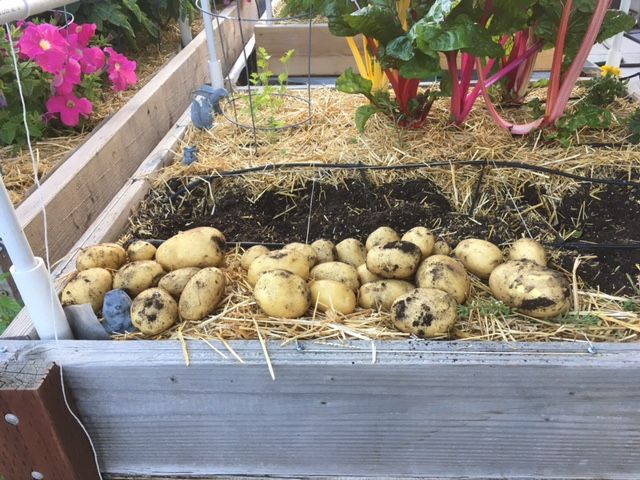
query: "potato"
446, 274
394, 260
423, 238
425, 312
478, 256
528, 249
154, 311
351, 251
199, 247
365, 275
174, 282
141, 250
331, 295
306, 250
325, 250
280, 293
338, 272
105, 255
380, 236
380, 295
202, 294
530, 288
288, 260
88, 286
135, 277
251, 254
441, 248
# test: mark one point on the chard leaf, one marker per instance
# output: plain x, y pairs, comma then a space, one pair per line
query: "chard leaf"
377, 22
463, 35
350, 82
401, 48
336, 13
363, 114
421, 66
440, 10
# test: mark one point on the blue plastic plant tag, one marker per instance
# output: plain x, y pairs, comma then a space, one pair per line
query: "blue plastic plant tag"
189, 155
205, 101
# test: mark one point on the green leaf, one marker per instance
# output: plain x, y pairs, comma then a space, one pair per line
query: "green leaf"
8, 130
350, 82
440, 10
282, 78
633, 126
466, 36
401, 48
421, 66
377, 22
336, 13
615, 22
363, 114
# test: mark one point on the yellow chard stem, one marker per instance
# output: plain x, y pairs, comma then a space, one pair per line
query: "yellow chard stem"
356, 55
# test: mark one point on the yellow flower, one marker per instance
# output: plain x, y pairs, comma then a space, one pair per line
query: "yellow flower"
610, 70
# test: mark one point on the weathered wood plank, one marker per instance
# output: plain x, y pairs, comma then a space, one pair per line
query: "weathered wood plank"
84, 184
474, 410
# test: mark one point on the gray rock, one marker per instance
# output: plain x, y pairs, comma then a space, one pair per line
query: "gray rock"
116, 311
84, 323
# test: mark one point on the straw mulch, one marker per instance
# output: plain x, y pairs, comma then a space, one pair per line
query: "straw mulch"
17, 168
332, 138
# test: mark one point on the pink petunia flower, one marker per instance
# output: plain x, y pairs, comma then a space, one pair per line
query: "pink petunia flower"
92, 59
70, 108
44, 45
82, 34
67, 78
122, 71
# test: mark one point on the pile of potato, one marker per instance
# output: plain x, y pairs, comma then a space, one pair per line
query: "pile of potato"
411, 276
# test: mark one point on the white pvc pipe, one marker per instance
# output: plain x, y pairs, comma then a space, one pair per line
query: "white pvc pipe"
12, 10
615, 54
31, 276
215, 69
268, 9
185, 31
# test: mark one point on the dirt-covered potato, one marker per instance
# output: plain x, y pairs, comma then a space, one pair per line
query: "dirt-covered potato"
288, 260
199, 247
325, 250
338, 272
441, 248
280, 293
423, 238
174, 282
154, 311
365, 275
381, 294
88, 286
425, 312
446, 274
251, 254
105, 255
141, 250
305, 249
381, 236
478, 256
531, 288
135, 277
528, 249
394, 259
331, 295
351, 251
202, 294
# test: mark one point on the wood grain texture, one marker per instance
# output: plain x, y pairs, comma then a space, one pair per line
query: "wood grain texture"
85, 183
442, 410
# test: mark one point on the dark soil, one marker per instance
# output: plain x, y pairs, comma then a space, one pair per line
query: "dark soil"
357, 207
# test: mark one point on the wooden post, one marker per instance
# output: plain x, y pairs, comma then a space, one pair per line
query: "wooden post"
39, 437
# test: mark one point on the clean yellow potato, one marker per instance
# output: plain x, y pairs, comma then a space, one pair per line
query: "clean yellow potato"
446, 274
280, 293
331, 295
423, 238
441, 248
251, 254
199, 247
141, 250
394, 260
424, 312
174, 282
105, 255
202, 294
306, 250
366, 276
325, 250
288, 260
531, 288
135, 277
381, 294
351, 251
380, 236
88, 286
528, 249
154, 311
478, 256
338, 272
